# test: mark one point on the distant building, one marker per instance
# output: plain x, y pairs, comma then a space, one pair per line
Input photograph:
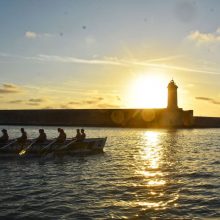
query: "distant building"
172, 95
173, 115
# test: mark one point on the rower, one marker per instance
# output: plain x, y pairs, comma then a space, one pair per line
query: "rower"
42, 136
78, 135
62, 136
4, 138
22, 140
83, 135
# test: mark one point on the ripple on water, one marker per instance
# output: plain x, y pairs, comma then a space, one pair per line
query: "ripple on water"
143, 174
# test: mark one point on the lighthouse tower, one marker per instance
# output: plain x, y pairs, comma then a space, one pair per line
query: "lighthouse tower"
172, 95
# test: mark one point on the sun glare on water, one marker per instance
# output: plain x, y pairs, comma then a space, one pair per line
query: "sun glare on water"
148, 91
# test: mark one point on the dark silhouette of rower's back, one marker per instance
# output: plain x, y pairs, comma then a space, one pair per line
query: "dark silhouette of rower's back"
23, 138
62, 136
4, 138
78, 135
83, 134
42, 136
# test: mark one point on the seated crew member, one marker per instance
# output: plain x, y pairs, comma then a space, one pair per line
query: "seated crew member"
21, 140
42, 136
83, 135
62, 136
4, 138
78, 135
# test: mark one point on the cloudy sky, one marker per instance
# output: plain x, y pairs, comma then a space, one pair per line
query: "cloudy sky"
109, 54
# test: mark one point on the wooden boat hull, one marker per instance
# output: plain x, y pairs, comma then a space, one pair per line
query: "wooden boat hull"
69, 147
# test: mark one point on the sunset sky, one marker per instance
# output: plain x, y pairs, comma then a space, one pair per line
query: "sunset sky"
109, 54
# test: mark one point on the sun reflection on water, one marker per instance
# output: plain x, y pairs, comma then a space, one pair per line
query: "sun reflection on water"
152, 150
154, 178
156, 182
152, 155
160, 204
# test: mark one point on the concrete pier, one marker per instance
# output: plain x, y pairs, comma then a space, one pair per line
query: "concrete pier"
170, 117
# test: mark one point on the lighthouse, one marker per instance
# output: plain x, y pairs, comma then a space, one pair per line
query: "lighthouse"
172, 95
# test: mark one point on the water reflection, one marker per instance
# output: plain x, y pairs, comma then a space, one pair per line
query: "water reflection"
152, 156
152, 149
153, 160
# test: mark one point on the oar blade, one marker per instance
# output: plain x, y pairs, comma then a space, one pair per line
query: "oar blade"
22, 152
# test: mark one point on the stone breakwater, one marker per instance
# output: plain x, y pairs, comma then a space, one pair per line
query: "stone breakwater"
135, 118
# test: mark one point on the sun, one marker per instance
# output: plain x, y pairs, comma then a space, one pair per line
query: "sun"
148, 91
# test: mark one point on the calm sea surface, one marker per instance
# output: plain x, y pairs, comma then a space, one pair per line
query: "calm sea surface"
143, 174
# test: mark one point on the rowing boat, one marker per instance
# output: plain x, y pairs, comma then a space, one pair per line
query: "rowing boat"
69, 147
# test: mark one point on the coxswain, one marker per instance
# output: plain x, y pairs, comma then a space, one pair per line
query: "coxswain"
4, 138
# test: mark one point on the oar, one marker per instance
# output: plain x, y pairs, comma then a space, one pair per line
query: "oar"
23, 151
67, 145
44, 150
64, 147
7, 145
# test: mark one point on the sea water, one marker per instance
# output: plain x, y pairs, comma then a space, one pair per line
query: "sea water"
142, 174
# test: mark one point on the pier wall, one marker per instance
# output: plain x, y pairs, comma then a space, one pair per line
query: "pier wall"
99, 117
206, 122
